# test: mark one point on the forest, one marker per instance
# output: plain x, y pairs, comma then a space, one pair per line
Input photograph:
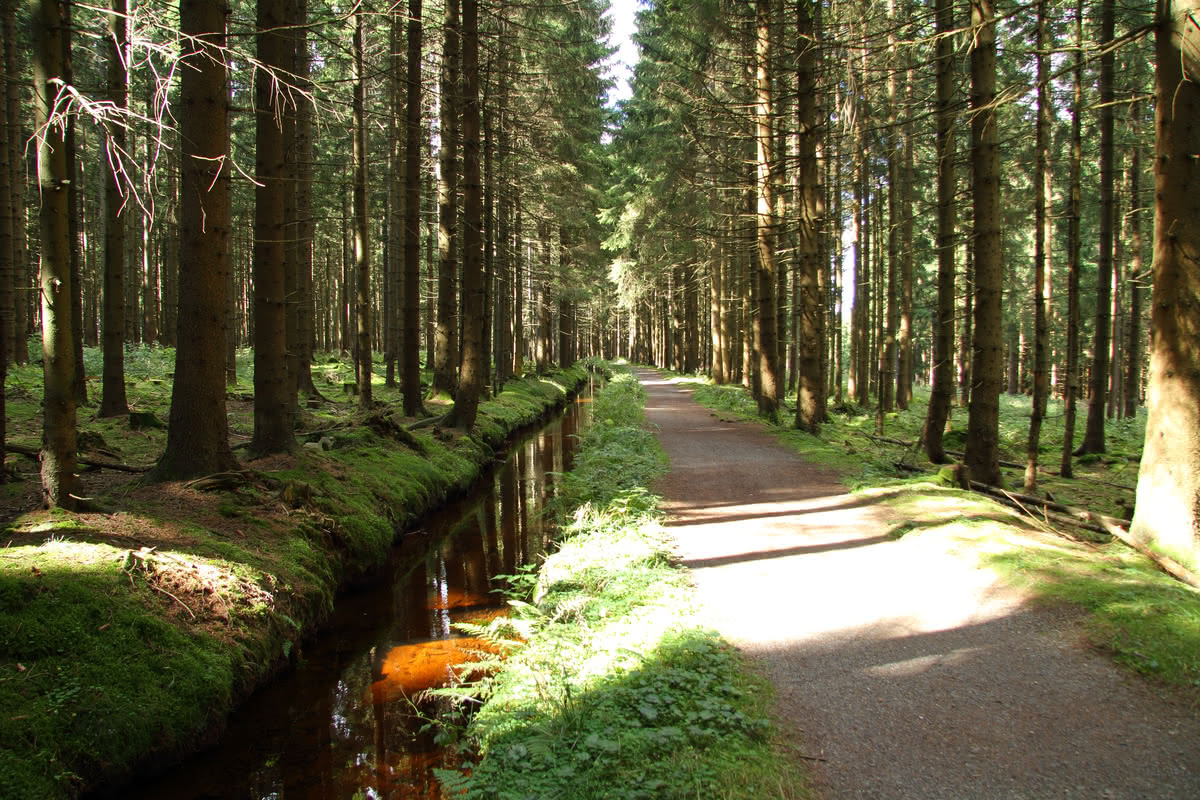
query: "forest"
841, 201
847, 208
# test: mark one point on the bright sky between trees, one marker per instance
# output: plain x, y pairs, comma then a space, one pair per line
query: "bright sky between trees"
623, 14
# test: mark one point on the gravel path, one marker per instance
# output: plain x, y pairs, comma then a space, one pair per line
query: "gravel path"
903, 670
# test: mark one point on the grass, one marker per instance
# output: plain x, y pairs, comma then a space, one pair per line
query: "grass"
129, 635
1147, 622
616, 690
848, 443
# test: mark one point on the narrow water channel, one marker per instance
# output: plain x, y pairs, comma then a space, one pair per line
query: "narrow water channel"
342, 724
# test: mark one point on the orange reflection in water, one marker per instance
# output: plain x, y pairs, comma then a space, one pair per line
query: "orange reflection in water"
411, 668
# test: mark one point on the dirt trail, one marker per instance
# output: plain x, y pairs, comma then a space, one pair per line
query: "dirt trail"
903, 670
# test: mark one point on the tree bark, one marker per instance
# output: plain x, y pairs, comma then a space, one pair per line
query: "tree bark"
1043, 235
305, 231
74, 218
362, 242
273, 404
887, 341
810, 397
987, 364
7, 271
472, 374
1093, 437
904, 373
394, 269
410, 348
198, 430
942, 392
445, 348
1071, 379
1133, 335
18, 344
59, 482
766, 334
1167, 513
113, 401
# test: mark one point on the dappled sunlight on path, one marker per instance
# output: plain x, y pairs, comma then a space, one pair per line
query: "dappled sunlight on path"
904, 668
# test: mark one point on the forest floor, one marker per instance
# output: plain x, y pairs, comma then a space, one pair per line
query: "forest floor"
130, 630
908, 661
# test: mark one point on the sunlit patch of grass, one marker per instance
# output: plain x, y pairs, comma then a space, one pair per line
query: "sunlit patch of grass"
1147, 621
85, 652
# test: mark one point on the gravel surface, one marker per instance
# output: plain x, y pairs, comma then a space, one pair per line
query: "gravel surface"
904, 670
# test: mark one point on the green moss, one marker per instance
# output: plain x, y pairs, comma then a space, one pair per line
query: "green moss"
93, 677
111, 655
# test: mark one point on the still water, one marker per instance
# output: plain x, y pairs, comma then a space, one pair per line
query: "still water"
344, 723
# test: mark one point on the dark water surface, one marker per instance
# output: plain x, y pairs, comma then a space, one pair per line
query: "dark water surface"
342, 725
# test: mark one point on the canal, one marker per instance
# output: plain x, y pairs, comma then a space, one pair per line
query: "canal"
346, 722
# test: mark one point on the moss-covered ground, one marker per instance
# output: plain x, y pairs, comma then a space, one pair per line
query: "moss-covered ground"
127, 635
612, 688
1146, 621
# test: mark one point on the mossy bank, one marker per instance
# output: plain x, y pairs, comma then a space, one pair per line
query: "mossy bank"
126, 637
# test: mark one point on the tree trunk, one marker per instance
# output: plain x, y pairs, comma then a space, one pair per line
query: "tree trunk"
290, 230
904, 373
1093, 437
16, 347
857, 271
362, 242
887, 341
565, 333
982, 457
305, 223
74, 219
472, 374
59, 482
968, 314
112, 394
198, 430
942, 393
766, 335
810, 397
1043, 235
445, 348
519, 289
410, 348
272, 401
394, 270
7, 265
1071, 379
1167, 514
1133, 335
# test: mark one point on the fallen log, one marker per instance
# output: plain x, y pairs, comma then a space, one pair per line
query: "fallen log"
1009, 464
1109, 525
1053, 505
35, 453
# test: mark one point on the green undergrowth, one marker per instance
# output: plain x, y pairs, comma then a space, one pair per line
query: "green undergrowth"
126, 636
1147, 621
850, 444
612, 688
